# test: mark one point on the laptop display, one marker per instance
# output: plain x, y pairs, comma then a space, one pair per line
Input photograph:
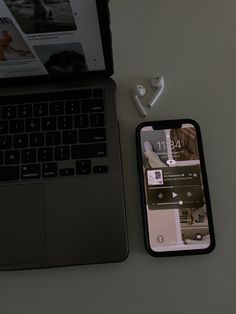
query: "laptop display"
50, 38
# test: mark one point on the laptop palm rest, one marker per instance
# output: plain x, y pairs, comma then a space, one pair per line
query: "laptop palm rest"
22, 224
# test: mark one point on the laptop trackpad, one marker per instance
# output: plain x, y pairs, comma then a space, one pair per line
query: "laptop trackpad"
22, 224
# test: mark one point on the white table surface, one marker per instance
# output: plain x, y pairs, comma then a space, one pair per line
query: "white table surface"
193, 45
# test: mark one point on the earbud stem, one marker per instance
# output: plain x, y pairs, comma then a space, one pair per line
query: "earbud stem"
139, 106
155, 97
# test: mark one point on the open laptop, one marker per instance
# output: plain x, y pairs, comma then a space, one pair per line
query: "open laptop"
61, 187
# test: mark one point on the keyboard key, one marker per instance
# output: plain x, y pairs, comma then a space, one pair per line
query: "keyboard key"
56, 108
100, 169
49, 124
65, 123
62, 153
30, 171
53, 138
69, 137
81, 121
12, 157
84, 93
92, 105
17, 126
3, 127
40, 109
97, 120
83, 167
5, 141
45, 154
88, 151
9, 112
67, 172
33, 125
28, 155
9, 173
37, 139
98, 92
92, 135
20, 141
25, 111
72, 107
49, 170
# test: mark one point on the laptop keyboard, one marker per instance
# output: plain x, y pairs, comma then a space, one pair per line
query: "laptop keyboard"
62, 137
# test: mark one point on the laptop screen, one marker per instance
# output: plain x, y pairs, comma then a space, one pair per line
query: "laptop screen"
50, 38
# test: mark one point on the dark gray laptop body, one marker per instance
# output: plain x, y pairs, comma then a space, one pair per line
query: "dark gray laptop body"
72, 220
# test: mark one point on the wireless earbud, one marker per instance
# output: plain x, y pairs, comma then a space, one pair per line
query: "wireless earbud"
157, 82
139, 91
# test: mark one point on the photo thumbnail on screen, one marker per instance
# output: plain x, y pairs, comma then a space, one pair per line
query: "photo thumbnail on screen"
42, 16
12, 46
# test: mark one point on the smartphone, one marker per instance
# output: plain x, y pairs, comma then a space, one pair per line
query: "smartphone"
174, 189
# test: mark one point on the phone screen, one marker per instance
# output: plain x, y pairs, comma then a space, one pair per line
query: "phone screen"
177, 204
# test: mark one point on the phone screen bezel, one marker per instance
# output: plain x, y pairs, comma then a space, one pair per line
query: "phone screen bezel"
174, 124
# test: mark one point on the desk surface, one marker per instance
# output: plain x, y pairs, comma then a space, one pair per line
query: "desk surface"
193, 44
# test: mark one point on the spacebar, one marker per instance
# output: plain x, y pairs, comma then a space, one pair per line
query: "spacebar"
89, 151
9, 173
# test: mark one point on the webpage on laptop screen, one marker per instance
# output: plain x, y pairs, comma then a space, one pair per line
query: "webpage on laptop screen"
45, 37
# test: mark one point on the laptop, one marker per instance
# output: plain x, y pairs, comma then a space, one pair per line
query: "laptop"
61, 185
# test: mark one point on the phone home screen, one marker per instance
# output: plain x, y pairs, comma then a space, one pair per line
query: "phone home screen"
176, 210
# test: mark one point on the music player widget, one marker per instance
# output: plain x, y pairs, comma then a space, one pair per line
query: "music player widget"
174, 187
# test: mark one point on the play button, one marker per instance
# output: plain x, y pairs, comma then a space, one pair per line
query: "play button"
174, 195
